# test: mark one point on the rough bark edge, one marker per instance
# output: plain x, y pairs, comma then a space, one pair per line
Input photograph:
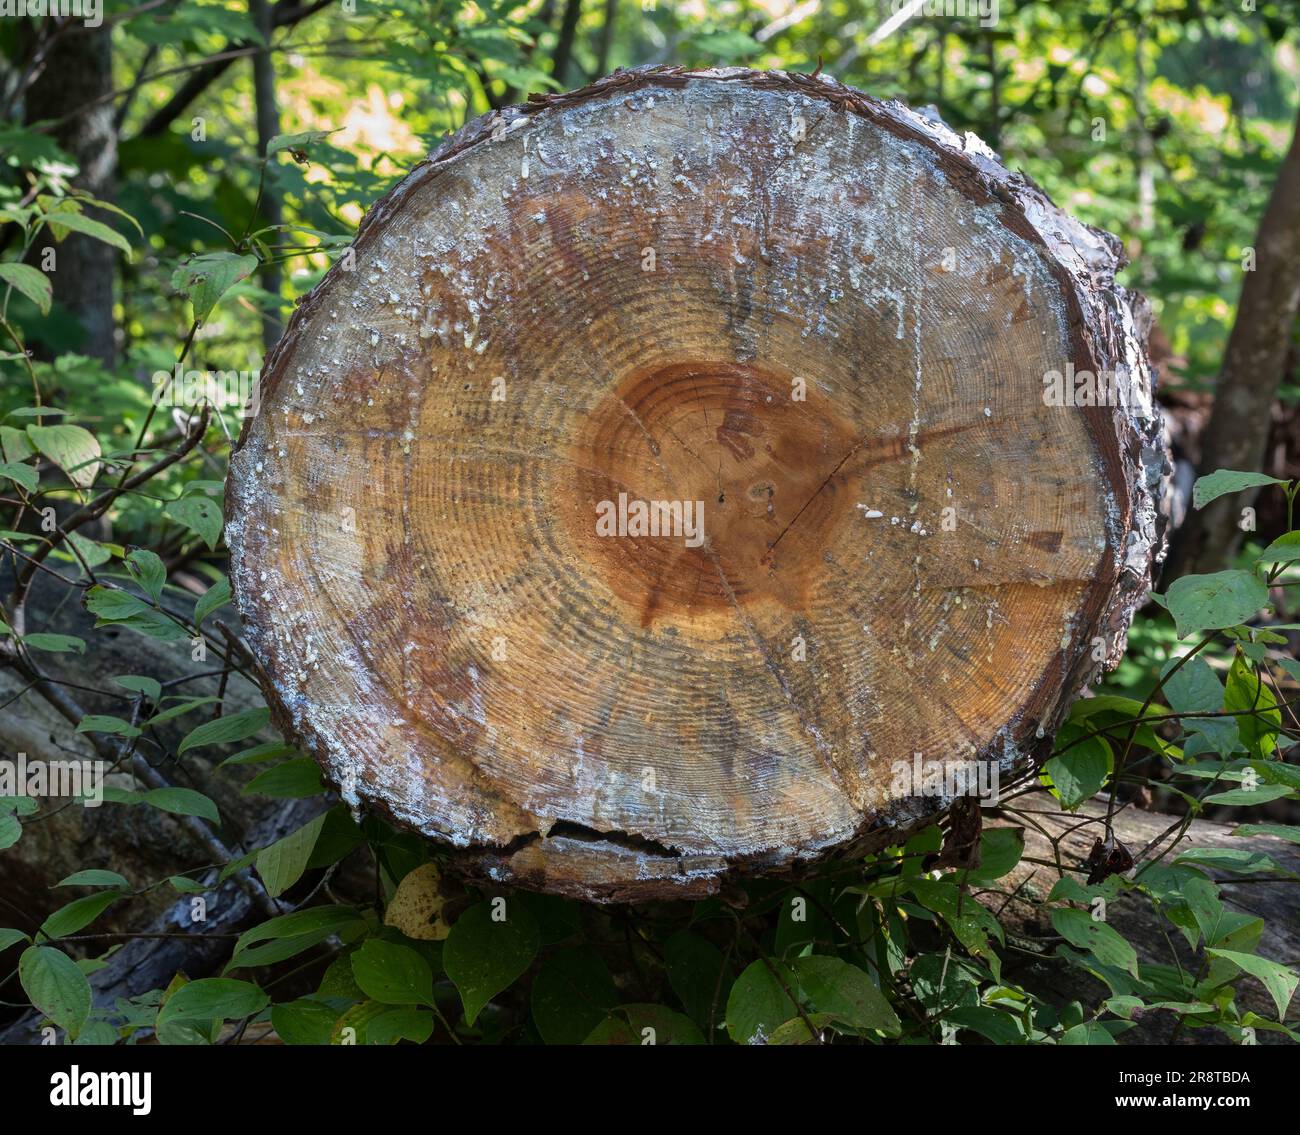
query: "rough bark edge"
1108, 327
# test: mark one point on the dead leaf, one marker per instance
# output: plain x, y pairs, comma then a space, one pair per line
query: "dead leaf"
418, 906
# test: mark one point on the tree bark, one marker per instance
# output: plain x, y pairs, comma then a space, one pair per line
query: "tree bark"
268, 126
78, 72
817, 323
1254, 365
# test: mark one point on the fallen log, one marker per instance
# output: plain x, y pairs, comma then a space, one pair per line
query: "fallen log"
1020, 902
671, 460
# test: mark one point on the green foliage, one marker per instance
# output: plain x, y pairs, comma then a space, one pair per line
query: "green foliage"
883, 949
489, 946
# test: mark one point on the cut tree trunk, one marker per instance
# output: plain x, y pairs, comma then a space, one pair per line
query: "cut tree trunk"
821, 321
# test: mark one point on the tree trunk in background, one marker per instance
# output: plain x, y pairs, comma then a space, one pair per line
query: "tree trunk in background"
79, 71
1254, 365
606, 37
268, 126
564, 44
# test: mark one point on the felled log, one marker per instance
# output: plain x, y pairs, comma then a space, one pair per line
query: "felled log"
671, 460
141, 843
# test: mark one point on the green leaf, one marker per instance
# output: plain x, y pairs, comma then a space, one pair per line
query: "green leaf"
1212, 602
150, 687
111, 604
393, 974
214, 999
35, 412
645, 1024
970, 922
278, 949
406, 1023
1284, 550
205, 279
833, 987
1089, 1032
1000, 851
55, 643
23, 475
1195, 688
183, 802
11, 830
290, 780
1244, 691
1222, 481
81, 550
237, 865
201, 515
338, 982
296, 923
74, 450
1279, 831
94, 878
1080, 929
180, 708
1202, 898
282, 864
483, 957
216, 596
98, 1032
1238, 861
1081, 770
296, 141
151, 623
1279, 980
339, 835
1248, 797
103, 723
992, 1024
63, 220
232, 727
78, 914
148, 571
22, 805
572, 993
10, 937
304, 1022
268, 751
31, 282
758, 1004
15, 446
55, 986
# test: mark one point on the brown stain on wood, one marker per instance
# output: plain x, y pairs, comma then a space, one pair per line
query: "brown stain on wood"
708, 433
